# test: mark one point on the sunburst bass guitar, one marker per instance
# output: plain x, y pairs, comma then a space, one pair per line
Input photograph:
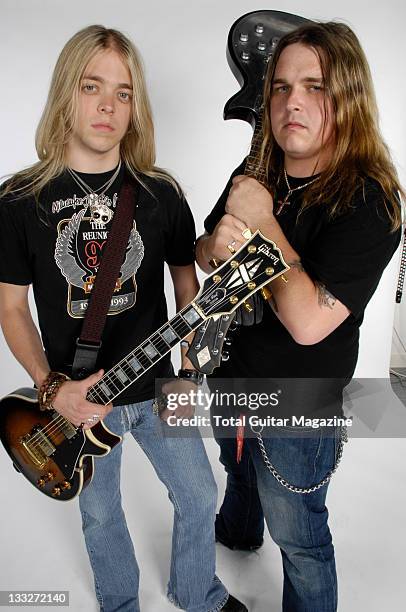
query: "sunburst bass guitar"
56, 456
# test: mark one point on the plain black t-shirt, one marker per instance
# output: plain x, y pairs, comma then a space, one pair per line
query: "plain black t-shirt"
60, 259
347, 254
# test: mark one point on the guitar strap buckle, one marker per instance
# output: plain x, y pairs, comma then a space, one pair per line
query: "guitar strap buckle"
85, 360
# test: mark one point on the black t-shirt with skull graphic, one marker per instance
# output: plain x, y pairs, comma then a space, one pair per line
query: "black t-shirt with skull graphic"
56, 244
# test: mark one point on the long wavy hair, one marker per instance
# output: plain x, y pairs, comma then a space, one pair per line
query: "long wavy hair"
137, 148
360, 150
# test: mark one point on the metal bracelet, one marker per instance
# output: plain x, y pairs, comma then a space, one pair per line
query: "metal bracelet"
303, 490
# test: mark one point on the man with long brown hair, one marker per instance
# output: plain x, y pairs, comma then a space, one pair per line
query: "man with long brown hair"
331, 205
96, 132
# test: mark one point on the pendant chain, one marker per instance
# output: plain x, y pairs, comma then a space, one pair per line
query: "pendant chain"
94, 194
285, 201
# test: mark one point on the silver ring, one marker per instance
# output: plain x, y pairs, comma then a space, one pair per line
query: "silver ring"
93, 418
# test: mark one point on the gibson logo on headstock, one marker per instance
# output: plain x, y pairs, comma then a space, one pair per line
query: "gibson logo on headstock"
264, 248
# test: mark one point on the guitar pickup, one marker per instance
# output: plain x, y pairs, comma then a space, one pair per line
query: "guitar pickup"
38, 446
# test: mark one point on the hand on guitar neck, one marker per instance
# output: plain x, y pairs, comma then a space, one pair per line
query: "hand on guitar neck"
226, 235
251, 203
71, 402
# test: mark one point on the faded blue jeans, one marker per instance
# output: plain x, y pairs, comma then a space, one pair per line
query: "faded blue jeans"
296, 522
182, 465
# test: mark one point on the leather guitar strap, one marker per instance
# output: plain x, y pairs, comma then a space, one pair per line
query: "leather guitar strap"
89, 342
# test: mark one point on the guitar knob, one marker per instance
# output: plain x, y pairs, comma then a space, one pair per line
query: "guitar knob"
65, 485
41, 483
56, 491
225, 356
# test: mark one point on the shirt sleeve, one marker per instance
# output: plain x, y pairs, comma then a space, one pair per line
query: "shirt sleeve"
180, 231
352, 251
15, 265
219, 209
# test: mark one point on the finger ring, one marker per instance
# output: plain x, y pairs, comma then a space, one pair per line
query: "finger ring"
231, 248
246, 233
93, 418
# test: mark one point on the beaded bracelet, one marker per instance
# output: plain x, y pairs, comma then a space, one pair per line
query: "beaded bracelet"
50, 388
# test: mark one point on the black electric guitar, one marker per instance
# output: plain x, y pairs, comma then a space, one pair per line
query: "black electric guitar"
56, 456
251, 42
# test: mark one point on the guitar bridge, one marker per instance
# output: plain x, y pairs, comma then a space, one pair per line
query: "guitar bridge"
38, 447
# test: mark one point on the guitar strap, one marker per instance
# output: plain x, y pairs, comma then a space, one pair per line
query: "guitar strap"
89, 342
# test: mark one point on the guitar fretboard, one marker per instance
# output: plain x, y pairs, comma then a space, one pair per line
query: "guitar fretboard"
148, 353
254, 167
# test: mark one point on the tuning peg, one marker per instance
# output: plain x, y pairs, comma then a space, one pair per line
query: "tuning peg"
245, 56
248, 307
227, 341
244, 37
225, 356
266, 293
259, 28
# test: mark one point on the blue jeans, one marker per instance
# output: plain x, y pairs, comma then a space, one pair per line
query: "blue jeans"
182, 465
296, 522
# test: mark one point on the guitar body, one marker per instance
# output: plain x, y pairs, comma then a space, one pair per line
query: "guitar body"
55, 456
251, 42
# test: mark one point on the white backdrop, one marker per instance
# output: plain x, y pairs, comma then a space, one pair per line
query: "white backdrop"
183, 45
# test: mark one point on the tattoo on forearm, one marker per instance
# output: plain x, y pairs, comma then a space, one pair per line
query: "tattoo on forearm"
325, 297
296, 263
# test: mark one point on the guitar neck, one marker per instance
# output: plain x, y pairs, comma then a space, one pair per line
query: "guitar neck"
146, 355
254, 167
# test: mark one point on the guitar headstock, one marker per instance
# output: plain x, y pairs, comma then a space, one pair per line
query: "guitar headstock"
251, 42
253, 266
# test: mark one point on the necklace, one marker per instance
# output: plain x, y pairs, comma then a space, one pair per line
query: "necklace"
285, 201
94, 194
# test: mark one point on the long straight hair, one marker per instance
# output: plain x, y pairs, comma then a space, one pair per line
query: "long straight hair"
137, 148
360, 150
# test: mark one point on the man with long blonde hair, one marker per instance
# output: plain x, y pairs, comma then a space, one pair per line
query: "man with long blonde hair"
96, 132
331, 205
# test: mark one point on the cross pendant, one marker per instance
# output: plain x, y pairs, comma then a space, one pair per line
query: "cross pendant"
281, 205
